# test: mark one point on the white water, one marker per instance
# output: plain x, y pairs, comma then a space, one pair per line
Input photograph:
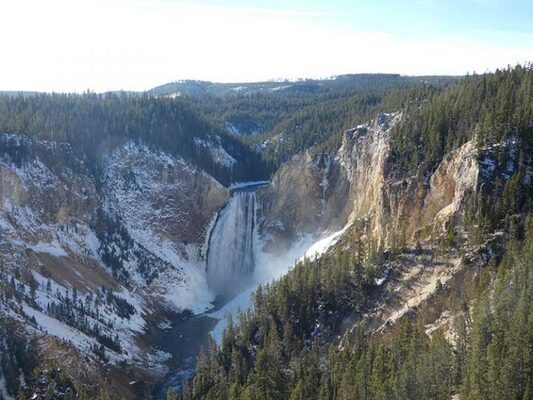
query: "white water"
237, 263
230, 257
269, 267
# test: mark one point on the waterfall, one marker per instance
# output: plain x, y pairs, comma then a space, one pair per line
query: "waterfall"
230, 254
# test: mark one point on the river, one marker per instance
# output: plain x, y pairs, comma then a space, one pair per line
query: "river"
230, 265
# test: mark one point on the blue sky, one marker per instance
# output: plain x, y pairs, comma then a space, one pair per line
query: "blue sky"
397, 16
74, 45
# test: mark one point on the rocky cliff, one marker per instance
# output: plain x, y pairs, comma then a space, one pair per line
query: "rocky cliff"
355, 185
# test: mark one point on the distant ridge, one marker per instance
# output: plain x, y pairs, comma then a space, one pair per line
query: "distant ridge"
287, 87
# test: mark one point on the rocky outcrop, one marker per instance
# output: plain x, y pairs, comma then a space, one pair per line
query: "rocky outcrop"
355, 187
442, 199
46, 178
295, 202
152, 190
361, 159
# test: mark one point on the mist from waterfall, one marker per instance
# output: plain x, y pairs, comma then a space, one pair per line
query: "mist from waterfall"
230, 255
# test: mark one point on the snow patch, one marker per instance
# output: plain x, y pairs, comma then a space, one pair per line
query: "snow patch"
182, 289
219, 154
3, 389
243, 185
53, 248
275, 89
381, 281
320, 247
241, 302
61, 331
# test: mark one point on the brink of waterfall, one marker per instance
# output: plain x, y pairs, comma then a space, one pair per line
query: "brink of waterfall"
230, 256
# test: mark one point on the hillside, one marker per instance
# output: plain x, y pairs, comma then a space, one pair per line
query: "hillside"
281, 119
341, 83
96, 123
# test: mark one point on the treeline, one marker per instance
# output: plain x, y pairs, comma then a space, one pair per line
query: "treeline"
249, 114
260, 107
320, 126
93, 123
342, 84
491, 108
287, 119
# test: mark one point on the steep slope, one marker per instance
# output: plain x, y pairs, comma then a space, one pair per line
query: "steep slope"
92, 259
152, 189
94, 124
355, 186
161, 208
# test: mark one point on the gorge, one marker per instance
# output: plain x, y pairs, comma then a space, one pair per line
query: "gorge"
372, 218
230, 263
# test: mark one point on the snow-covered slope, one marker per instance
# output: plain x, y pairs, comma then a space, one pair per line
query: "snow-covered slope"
89, 258
163, 206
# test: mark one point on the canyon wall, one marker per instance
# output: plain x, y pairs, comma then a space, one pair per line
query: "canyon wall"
322, 193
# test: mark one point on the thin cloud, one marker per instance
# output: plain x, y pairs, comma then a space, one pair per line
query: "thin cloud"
275, 12
135, 45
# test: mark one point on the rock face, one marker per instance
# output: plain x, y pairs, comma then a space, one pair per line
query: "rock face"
152, 190
361, 159
440, 201
296, 200
317, 193
46, 177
